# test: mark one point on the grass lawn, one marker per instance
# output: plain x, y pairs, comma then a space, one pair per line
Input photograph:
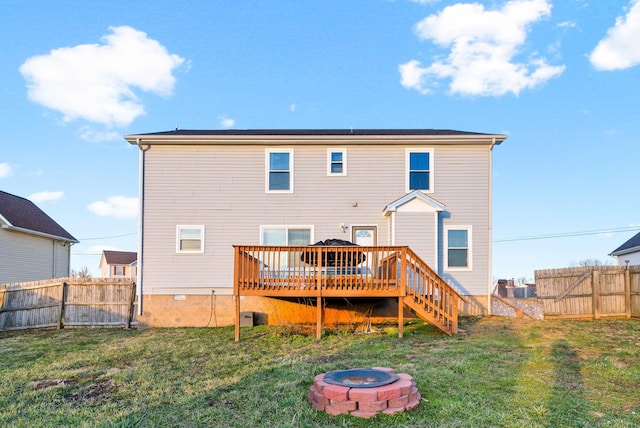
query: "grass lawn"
499, 373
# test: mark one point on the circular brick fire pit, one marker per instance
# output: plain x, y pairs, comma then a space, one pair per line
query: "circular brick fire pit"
400, 395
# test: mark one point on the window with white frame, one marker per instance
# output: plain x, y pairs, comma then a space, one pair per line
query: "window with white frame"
286, 235
419, 170
118, 270
189, 239
336, 161
458, 254
279, 170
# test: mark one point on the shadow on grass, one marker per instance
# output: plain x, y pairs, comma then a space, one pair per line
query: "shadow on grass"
567, 403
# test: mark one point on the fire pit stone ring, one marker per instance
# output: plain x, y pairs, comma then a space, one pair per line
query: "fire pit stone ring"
364, 401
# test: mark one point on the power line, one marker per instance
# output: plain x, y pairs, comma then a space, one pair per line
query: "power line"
107, 237
569, 234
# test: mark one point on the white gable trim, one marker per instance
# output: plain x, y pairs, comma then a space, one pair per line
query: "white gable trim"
415, 201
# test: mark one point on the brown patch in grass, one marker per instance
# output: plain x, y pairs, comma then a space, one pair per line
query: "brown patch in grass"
94, 393
47, 383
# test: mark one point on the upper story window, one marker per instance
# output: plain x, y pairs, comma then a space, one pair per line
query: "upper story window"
189, 239
458, 248
279, 171
336, 161
118, 270
419, 170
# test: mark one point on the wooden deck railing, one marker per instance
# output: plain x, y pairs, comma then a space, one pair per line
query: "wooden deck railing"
349, 271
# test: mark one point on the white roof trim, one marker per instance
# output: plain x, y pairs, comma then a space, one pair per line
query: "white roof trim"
416, 194
625, 251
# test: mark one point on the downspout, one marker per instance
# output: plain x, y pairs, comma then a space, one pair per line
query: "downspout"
140, 265
69, 259
54, 260
490, 252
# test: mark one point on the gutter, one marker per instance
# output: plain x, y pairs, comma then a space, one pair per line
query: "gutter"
45, 235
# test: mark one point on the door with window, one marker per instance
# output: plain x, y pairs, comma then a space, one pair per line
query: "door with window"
365, 236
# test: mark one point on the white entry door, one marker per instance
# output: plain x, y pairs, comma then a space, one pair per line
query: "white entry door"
365, 236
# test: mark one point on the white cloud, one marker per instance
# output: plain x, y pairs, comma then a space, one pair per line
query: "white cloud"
424, 1
45, 196
226, 122
116, 206
482, 45
620, 48
94, 136
5, 170
567, 24
96, 82
293, 107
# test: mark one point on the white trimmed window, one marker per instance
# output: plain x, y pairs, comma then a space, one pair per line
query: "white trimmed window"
118, 270
279, 171
336, 162
189, 239
419, 170
286, 235
458, 254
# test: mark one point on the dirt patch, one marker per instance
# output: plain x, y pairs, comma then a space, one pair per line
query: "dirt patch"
47, 383
94, 393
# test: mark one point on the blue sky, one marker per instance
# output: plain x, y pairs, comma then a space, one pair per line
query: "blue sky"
560, 78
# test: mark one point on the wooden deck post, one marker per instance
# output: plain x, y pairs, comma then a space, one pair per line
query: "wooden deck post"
400, 316
319, 281
236, 291
454, 314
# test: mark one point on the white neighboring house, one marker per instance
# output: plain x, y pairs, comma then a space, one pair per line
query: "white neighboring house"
32, 245
629, 252
118, 264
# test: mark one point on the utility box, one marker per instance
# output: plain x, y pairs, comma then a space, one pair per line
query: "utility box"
246, 319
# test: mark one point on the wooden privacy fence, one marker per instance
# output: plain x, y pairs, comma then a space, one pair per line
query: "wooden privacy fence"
589, 292
63, 302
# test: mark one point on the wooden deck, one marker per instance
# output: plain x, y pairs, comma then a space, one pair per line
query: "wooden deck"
350, 271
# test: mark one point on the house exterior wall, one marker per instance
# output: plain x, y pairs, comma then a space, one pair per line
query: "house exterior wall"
633, 258
27, 257
223, 188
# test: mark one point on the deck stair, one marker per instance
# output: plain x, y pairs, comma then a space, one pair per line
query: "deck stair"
429, 296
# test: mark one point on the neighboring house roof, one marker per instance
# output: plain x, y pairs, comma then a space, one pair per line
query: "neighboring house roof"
120, 257
23, 215
293, 136
631, 246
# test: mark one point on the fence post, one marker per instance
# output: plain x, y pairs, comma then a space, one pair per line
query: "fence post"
132, 299
595, 284
627, 293
63, 286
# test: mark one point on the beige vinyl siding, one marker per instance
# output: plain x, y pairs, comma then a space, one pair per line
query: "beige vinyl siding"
26, 257
463, 185
223, 188
418, 230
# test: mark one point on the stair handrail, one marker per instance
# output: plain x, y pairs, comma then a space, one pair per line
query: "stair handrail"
431, 292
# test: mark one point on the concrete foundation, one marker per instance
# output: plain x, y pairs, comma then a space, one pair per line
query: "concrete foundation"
219, 310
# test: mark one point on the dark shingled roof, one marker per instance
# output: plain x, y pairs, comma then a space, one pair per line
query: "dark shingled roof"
293, 132
120, 257
23, 214
628, 246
